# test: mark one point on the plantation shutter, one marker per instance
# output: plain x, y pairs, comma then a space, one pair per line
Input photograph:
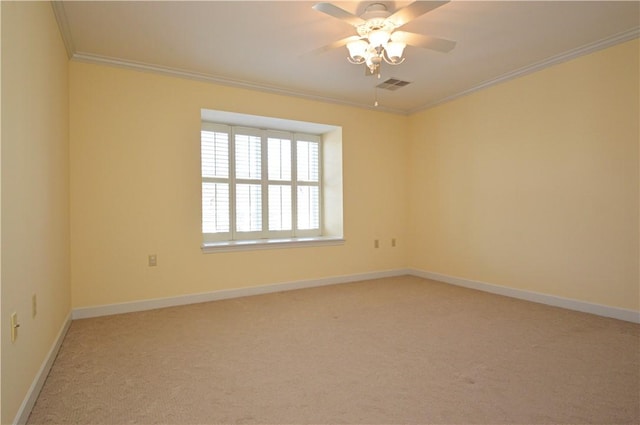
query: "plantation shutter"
259, 184
308, 185
215, 182
279, 160
248, 178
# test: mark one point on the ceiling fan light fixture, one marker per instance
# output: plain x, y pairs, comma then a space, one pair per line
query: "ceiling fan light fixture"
377, 41
394, 51
379, 37
357, 51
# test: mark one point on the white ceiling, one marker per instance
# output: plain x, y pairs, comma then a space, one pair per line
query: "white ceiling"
267, 45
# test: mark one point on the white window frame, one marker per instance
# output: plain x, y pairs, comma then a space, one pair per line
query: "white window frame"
265, 238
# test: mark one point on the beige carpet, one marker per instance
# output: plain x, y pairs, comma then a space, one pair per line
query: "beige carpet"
398, 350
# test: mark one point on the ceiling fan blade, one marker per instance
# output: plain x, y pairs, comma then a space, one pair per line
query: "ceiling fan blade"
339, 13
415, 9
335, 44
424, 41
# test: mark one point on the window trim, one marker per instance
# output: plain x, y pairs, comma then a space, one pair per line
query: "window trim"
259, 244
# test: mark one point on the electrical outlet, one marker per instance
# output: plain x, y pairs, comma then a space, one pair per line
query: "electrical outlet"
34, 305
153, 260
14, 326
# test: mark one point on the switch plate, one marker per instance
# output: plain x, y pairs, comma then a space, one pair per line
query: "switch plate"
376, 243
34, 305
14, 326
393, 242
153, 260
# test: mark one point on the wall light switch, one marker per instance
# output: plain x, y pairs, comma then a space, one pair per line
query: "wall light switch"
34, 305
376, 243
14, 326
153, 260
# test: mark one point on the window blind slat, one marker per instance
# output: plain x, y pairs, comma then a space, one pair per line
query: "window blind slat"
279, 207
215, 154
279, 159
248, 207
215, 207
307, 161
308, 207
248, 157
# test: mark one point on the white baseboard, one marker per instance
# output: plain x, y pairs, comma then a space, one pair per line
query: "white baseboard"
34, 390
133, 306
568, 303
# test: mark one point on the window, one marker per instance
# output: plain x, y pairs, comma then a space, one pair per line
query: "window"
260, 184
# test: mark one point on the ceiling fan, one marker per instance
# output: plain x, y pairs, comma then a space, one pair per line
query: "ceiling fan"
377, 38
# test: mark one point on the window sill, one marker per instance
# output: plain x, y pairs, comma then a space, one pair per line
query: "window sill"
253, 245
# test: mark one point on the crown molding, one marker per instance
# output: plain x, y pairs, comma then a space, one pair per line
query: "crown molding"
61, 18
73, 54
224, 81
63, 26
538, 66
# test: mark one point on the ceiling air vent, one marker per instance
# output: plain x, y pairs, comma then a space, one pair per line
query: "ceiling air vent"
392, 84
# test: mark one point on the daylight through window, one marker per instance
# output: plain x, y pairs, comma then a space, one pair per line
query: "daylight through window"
260, 184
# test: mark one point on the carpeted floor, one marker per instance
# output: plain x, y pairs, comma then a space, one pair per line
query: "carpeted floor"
396, 350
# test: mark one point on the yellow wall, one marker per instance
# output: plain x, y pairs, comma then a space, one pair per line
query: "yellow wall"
533, 184
35, 192
135, 188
